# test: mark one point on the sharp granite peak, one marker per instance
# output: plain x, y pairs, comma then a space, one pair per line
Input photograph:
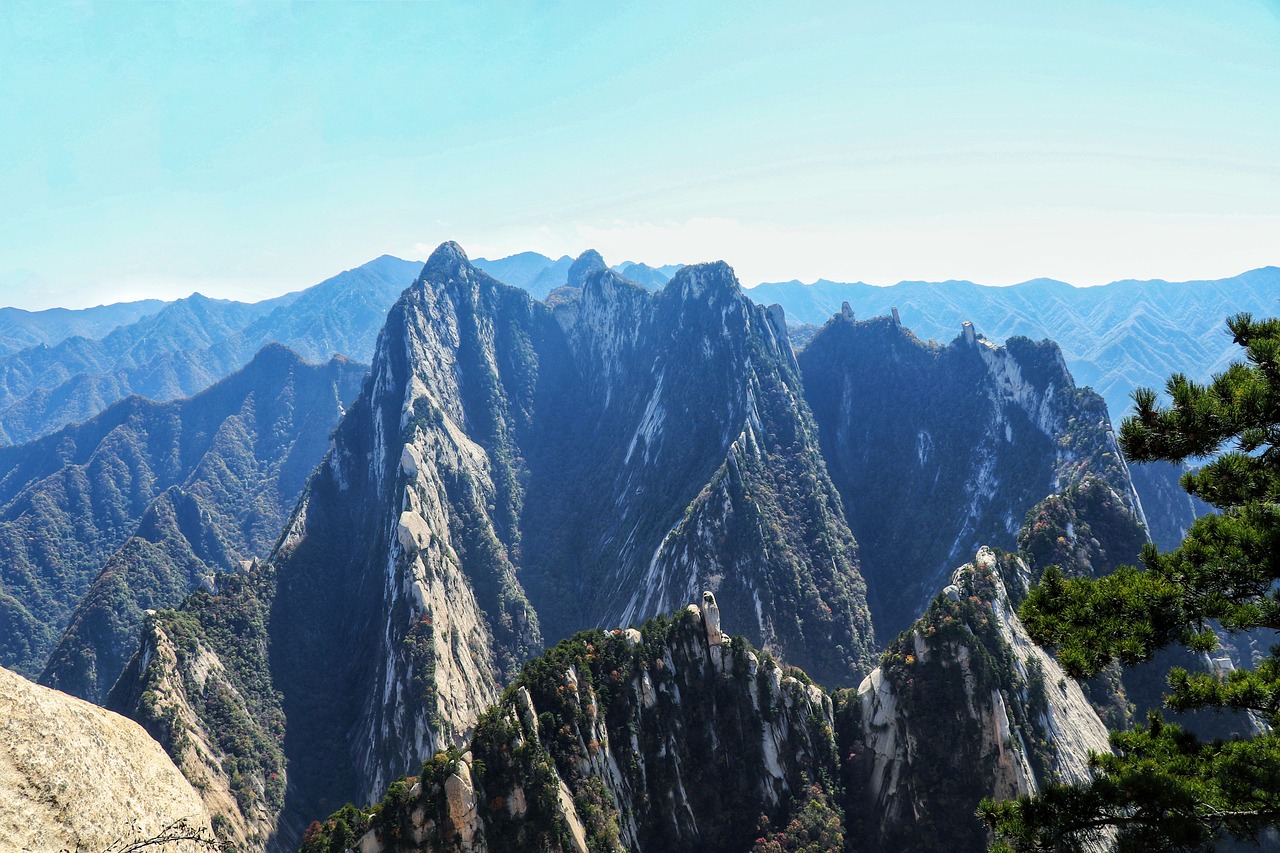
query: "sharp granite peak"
587, 263
448, 261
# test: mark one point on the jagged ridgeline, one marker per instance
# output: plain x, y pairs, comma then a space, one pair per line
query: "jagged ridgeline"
963, 706
937, 450
678, 737
670, 737
512, 471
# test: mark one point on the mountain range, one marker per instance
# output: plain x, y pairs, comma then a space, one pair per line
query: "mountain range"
21, 329
189, 344
514, 472
1114, 337
130, 509
622, 566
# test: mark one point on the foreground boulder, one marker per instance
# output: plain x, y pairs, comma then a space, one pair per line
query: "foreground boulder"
76, 777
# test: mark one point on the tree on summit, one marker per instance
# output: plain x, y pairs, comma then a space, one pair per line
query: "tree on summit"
1163, 788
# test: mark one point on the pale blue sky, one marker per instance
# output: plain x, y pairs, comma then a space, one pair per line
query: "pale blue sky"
246, 149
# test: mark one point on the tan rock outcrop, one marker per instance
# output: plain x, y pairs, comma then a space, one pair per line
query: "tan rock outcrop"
74, 776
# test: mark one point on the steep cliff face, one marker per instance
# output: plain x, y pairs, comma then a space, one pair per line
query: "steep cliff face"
690, 461
201, 687
963, 439
396, 611
631, 442
1169, 510
76, 777
965, 706
1090, 529
670, 737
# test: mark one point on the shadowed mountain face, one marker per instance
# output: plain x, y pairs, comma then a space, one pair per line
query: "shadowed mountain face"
190, 344
939, 450
221, 469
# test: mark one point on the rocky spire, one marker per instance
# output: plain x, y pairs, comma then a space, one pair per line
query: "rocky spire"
588, 262
447, 260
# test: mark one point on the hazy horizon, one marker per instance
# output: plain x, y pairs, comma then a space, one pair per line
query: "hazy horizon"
747, 286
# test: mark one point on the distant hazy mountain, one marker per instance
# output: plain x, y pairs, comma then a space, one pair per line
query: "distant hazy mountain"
192, 343
530, 271
20, 329
540, 275
225, 466
186, 325
651, 277
1115, 338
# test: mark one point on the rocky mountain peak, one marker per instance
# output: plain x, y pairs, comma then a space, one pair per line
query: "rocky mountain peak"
274, 355
968, 664
588, 262
446, 262
714, 280
663, 739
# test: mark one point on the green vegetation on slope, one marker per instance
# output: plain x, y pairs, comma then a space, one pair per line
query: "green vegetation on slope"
652, 740
1164, 788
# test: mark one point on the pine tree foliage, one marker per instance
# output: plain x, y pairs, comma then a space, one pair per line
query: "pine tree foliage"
1163, 789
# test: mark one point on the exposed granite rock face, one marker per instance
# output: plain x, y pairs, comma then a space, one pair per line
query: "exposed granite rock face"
578, 756
391, 606
201, 690
695, 465
587, 263
1169, 510
616, 454
965, 706
76, 777
395, 612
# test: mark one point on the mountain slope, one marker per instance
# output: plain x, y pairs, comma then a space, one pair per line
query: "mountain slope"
670, 737
690, 462
186, 326
242, 448
938, 450
963, 706
529, 271
395, 602
678, 737
20, 329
